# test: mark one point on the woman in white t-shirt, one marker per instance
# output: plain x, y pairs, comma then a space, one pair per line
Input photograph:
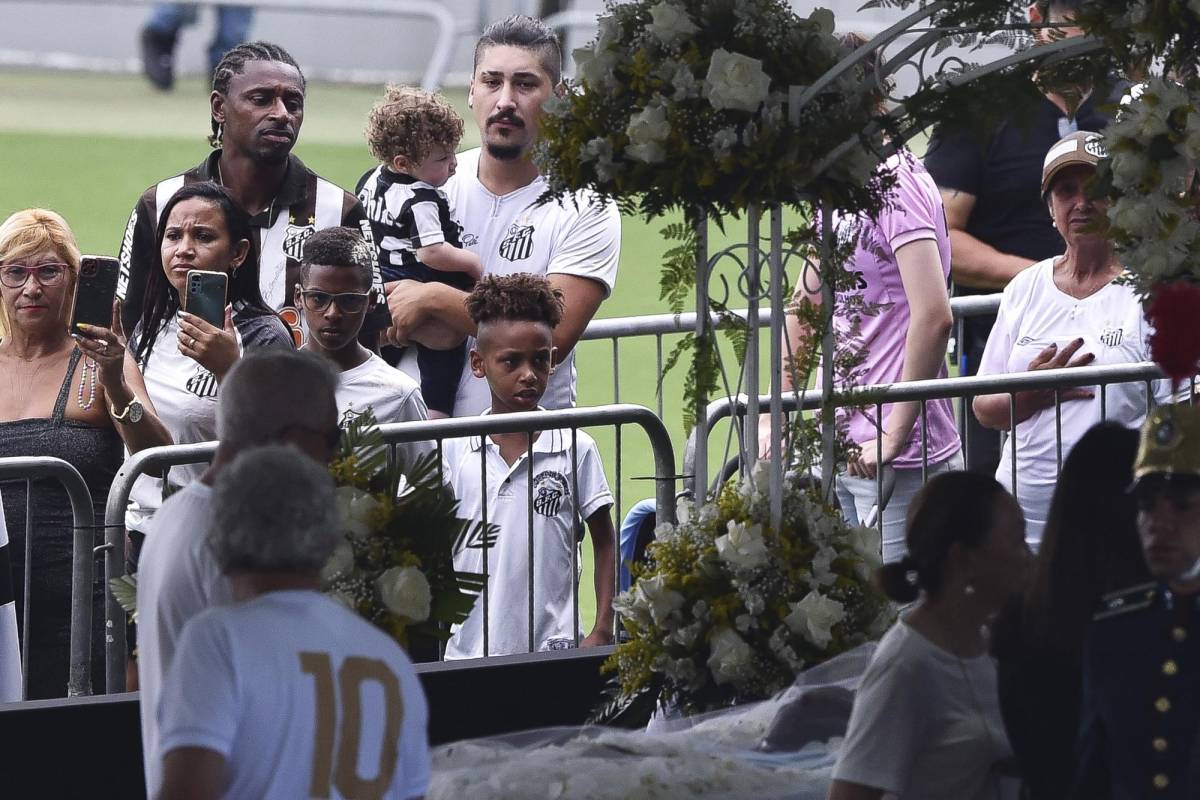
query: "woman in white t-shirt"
1064, 312
182, 357
926, 721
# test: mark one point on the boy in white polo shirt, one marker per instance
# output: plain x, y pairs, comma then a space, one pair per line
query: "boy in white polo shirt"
514, 350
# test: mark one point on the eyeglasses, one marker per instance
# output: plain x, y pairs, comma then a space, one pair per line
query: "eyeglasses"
347, 302
14, 276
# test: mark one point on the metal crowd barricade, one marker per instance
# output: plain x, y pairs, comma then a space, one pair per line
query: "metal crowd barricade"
962, 387
29, 469
615, 329
158, 458
449, 27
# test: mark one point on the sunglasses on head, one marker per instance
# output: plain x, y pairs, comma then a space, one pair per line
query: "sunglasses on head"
347, 302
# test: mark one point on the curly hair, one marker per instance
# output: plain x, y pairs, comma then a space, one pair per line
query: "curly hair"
409, 122
520, 296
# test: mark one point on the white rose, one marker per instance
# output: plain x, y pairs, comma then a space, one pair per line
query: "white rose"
670, 22
354, 510
736, 81
339, 563
814, 617
658, 599
405, 592
595, 67
609, 32
556, 105
822, 564
730, 658
743, 546
596, 149
867, 543
647, 130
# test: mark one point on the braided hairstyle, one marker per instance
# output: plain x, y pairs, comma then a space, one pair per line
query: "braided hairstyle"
234, 63
522, 296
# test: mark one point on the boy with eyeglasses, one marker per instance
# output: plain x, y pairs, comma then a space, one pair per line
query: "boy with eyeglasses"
414, 135
334, 297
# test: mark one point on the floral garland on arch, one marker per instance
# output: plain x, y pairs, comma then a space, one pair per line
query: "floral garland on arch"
682, 103
1154, 216
729, 610
395, 566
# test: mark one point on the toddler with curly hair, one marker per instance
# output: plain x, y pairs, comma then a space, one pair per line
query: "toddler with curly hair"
414, 134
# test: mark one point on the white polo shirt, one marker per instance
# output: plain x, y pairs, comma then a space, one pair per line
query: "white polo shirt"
391, 395
512, 233
302, 697
556, 513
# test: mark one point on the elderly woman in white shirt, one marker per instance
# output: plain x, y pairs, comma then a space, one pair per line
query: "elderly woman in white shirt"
1064, 312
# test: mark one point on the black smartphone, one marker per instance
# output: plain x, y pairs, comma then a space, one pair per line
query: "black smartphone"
95, 292
206, 296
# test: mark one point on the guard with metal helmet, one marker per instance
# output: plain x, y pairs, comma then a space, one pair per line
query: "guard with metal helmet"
1141, 698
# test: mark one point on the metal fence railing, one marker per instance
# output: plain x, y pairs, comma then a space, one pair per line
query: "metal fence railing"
617, 329
438, 431
963, 388
29, 469
449, 27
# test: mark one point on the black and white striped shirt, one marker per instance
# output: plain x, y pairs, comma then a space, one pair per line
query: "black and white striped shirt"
407, 214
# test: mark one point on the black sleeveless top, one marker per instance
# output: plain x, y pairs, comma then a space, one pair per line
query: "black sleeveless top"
97, 453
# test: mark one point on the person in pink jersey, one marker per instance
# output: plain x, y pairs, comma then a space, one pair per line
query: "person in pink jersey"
895, 320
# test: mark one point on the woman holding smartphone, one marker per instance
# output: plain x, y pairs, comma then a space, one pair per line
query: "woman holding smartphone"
80, 399
202, 234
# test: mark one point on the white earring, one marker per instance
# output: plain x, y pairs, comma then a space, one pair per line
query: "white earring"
969, 590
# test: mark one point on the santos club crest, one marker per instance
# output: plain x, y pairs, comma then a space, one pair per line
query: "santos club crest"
518, 244
549, 491
294, 238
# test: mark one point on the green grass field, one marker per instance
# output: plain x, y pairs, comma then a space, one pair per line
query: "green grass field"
88, 145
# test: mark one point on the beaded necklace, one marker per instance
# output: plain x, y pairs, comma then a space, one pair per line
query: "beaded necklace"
89, 376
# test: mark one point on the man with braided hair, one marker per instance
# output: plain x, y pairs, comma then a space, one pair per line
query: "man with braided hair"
257, 106
539, 509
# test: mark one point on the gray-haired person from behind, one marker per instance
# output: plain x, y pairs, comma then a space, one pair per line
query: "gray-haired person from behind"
277, 396
276, 654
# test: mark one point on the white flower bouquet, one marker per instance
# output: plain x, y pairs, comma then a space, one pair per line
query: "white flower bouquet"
730, 610
682, 103
395, 567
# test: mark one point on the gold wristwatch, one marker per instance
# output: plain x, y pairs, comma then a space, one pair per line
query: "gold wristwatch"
132, 414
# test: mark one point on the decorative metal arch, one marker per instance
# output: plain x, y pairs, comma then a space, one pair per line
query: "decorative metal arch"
936, 73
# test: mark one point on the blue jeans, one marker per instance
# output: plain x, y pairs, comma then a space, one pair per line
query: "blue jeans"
233, 25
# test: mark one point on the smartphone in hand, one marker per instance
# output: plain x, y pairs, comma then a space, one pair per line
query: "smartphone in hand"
205, 296
95, 292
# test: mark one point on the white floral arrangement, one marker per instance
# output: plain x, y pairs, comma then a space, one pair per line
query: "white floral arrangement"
729, 610
395, 566
682, 103
1154, 146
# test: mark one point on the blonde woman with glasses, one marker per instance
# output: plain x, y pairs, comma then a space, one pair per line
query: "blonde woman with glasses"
79, 399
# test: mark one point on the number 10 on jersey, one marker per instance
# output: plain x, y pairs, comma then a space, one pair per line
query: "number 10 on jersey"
335, 761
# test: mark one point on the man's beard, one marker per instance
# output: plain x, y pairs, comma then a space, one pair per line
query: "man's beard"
505, 152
